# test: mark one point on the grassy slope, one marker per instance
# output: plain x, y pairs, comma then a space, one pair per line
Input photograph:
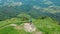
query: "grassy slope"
47, 25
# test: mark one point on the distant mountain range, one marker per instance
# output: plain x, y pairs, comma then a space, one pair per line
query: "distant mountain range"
35, 8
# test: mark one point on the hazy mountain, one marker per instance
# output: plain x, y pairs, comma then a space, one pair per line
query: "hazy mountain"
35, 8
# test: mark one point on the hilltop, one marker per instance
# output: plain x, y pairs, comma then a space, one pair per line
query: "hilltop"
45, 25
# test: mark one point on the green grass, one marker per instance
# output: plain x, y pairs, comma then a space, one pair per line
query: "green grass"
11, 30
47, 26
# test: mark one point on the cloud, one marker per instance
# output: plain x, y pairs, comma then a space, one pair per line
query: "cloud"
48, 2
10, 0
12, 4
36, 7
16, 4
52, 6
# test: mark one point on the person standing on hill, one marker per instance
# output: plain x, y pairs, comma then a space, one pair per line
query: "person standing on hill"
30, 21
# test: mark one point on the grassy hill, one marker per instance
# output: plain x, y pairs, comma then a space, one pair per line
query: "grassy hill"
45, 25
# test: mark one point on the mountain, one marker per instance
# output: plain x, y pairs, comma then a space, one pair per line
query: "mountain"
35, 8
16, 25
43, 14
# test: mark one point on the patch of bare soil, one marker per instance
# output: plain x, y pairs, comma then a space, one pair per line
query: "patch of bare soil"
29, 27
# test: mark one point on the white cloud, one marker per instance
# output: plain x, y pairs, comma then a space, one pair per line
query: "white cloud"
36, 7
12, 4
48, 2
16, 4
10, 1
52, 6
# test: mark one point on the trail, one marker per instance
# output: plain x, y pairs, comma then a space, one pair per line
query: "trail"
7, 25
